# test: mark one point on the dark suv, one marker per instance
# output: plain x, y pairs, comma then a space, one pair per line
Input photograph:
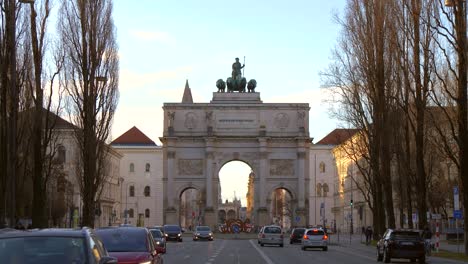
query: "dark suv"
47, 246
296, 235
173, 232
404, 244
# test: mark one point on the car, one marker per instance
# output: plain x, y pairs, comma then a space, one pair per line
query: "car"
259, 235
173, 232
296, 235
44, 246
402, 244
202, 232
130, 244
271, 235
160, 240
314, 238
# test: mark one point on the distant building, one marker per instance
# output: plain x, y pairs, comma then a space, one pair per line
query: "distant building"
141, 171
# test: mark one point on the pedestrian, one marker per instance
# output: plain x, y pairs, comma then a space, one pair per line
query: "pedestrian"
368, 235
427, 235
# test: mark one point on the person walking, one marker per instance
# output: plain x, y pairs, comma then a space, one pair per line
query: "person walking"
368, 235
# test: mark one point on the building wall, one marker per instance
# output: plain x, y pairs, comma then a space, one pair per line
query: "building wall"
139, 156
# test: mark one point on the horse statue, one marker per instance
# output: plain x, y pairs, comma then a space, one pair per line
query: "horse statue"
251, 85
221, 85
236, 85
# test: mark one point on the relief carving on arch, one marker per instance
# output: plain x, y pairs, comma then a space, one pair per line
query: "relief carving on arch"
191, 120
190, 166
282, 167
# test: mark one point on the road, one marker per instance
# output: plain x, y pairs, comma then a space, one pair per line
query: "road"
224, 251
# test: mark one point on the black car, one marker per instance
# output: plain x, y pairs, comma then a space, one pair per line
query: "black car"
173, 232
296, 235
160, 239
45, 246
403, 244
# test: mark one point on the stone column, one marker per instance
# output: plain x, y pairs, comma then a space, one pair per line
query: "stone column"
210, 214
264, 172
170, 210
301, 179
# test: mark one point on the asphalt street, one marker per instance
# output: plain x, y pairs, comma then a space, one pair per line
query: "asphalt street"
224, 251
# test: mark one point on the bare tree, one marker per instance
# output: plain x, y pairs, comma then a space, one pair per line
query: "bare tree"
91, 81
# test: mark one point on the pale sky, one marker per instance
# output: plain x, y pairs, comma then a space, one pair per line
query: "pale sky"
163, 43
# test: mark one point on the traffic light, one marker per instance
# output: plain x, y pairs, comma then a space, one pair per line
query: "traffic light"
351, 202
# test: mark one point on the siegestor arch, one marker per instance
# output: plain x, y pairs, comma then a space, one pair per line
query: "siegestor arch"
226, 161
285, 187
185, 187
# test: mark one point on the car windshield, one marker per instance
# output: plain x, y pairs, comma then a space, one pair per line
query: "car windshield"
315, 232
203, 228
405, 236
272, 230
124, 240
156, 233
43, 250
171, 229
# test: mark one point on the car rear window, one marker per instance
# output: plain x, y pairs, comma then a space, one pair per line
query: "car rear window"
171, 229
405, 236
315, 233
124, 240
43, 250
272, 230
298, 231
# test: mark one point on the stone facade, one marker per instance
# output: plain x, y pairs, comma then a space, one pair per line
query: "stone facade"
273, 139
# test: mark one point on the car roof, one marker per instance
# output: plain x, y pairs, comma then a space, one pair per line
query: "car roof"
58, 232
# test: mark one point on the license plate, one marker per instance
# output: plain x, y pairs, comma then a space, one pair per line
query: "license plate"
407, 243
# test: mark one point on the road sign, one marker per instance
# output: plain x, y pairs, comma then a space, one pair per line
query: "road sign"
456, 199
457, 214
298, 218
235, 228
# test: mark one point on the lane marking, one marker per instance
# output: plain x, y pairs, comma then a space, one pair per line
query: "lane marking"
264, 256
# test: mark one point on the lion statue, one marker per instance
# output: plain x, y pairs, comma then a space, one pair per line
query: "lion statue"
221, 85
251, 86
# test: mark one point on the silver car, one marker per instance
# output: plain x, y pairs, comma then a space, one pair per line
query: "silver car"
202, 232
271, 235
315, 238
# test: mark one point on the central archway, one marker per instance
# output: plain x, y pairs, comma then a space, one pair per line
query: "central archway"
235, 193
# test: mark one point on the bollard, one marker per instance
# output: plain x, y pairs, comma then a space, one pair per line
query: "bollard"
437, 237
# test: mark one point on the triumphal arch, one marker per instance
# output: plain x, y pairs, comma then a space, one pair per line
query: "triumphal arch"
272, 138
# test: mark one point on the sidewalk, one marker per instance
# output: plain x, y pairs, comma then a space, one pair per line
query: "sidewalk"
357, 241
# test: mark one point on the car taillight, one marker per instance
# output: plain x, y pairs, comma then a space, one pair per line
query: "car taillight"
305, 237
325, 237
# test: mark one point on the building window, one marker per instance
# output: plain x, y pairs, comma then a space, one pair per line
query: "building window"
325, 189
132, 191
147, 213
132, 167
130, 213
322, 167
147, 167
319, 189
147, 191
62, 154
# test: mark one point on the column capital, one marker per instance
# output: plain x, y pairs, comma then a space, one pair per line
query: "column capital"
171, 154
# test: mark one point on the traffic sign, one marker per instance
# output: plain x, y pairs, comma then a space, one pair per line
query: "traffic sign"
298, 218
457, 214
456, 199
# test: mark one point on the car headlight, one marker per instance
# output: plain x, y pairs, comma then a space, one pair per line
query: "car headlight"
157, 242
210, 234
146, 262
165, 234
178, 234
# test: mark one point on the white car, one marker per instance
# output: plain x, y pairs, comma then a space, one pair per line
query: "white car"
315, 238
271, 235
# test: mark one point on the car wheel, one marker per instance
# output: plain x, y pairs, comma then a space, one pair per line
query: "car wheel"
194, 239
303, 248
261, 244
290, 241
180, 240
422, 260
281, 245
386, 256
325, 248
379, 256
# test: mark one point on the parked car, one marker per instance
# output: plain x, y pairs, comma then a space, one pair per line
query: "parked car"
403, 244
160, 240
271, 235
202, 232
259, 235
173, 232
45, 246
130, 244
314, 238
296, 235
